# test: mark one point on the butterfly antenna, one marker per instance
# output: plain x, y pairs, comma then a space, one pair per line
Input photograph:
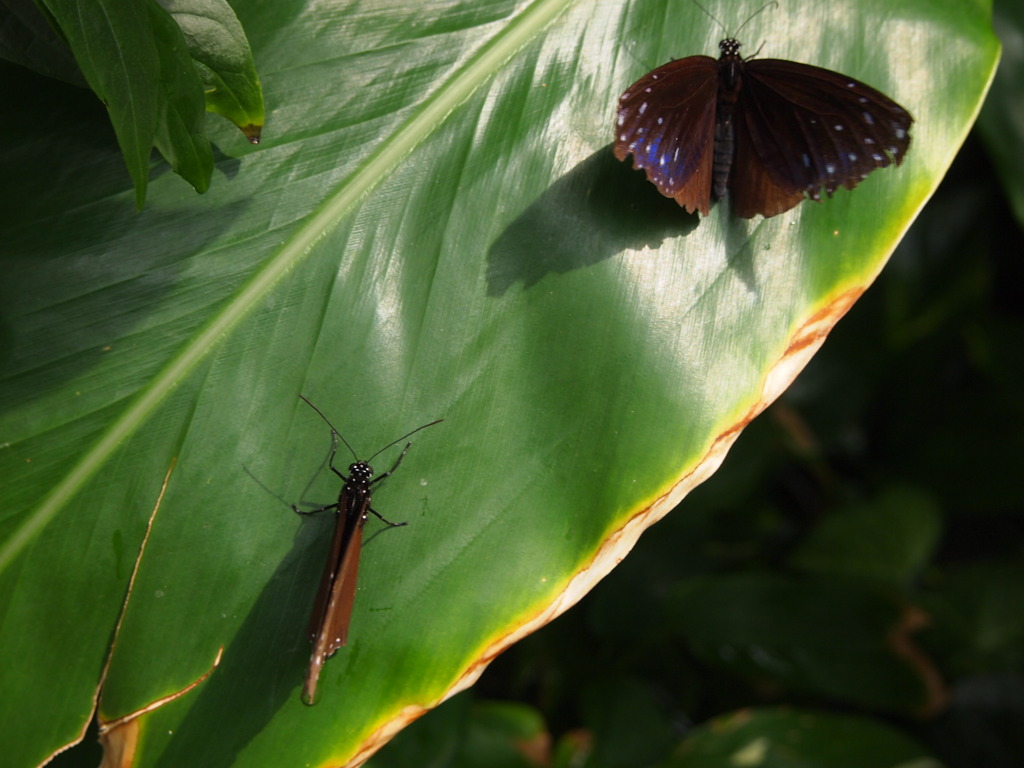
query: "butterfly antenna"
751, 17
333, 428
410, 434
711, 16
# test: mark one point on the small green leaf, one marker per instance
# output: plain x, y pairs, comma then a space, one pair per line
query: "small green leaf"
181, 131
135, 59
812, 635
223, 58
791, 738
889, 539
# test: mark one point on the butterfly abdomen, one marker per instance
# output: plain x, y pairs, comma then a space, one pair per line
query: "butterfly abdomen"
725, 148
729, 77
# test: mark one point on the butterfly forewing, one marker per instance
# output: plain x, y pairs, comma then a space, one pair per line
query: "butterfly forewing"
328, 626
343, 594
323, 593
336, 594
666, 120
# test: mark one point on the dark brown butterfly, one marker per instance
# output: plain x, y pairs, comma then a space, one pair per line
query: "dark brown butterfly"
767, 132
332, 611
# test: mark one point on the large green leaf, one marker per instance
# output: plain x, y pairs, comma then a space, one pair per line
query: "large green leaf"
433, 227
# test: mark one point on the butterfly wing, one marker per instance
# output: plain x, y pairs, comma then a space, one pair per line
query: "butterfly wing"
801, 129
666, 120
332, 611
343, 595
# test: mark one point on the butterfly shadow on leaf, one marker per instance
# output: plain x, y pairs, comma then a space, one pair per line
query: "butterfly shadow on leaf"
595, 211
262, 665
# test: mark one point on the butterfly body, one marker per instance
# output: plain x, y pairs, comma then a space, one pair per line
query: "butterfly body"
335, 597
768, 133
